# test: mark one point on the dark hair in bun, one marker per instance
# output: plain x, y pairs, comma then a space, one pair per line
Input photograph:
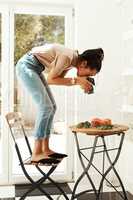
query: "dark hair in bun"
93, 57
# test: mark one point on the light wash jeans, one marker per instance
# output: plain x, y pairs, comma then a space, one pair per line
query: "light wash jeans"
28, 71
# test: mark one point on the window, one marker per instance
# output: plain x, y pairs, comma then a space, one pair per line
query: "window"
45, 29
30, 29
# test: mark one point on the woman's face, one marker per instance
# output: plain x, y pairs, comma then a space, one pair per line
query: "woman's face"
84, 70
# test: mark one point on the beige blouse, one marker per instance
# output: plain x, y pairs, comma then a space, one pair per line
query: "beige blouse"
56, 58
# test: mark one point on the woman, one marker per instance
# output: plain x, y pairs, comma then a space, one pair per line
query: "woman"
56, 60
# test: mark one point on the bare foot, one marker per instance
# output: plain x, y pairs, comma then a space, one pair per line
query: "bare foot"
40, 156
37, 157
53, 154
48, 152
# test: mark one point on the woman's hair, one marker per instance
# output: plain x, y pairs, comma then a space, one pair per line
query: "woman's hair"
93, 57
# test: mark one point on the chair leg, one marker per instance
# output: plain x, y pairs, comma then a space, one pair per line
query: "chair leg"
36, 185
33, 188
54, 183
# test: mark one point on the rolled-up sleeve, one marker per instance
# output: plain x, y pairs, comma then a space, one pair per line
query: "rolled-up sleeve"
62, 62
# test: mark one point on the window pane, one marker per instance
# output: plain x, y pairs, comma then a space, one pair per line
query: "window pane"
31, 31
35, 30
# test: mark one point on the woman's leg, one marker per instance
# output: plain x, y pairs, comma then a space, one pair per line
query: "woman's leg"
37, 89
44, 142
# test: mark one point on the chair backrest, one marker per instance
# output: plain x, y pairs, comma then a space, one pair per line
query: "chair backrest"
16, 126
13, 118
15, 123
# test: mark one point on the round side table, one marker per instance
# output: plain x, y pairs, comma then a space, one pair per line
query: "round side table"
118, 130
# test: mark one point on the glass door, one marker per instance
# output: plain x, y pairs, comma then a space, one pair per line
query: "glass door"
30, 28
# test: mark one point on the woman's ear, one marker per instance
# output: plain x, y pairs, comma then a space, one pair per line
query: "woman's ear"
84, 63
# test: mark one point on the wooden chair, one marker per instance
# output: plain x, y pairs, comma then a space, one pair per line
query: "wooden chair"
16, 126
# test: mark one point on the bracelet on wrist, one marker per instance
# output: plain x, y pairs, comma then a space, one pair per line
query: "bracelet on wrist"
73, 81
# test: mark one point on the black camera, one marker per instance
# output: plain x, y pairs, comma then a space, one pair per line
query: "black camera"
91, 80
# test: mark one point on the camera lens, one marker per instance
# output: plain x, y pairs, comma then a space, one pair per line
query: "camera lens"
93, 83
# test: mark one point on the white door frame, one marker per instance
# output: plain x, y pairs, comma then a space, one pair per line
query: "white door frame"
47, 10
5, 92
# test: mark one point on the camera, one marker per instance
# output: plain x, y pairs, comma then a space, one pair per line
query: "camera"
91, 80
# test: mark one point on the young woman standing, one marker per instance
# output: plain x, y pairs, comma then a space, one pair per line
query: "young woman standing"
56, 60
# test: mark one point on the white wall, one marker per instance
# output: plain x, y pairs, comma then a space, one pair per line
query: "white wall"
102, 24
99, 24
126, 159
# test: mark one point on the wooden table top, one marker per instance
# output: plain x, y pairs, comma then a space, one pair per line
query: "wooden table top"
95, 131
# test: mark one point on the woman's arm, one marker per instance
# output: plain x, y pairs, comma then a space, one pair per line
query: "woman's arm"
56, 73
61, 81
81, 81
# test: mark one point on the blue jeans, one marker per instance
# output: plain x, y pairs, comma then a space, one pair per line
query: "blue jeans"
29, 72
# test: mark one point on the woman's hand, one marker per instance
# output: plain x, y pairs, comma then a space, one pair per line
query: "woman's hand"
84, 83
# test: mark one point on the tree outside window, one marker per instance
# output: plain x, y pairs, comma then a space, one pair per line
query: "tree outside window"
35, 30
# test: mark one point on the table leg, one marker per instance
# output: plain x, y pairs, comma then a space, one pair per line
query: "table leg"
85, 169
104, 173
124, 196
